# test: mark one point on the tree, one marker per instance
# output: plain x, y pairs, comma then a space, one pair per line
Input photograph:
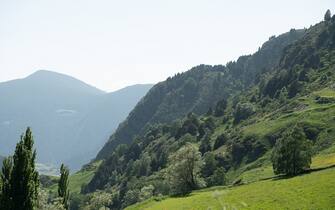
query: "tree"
220, 108
146, 192
328, 16
220, 140
218, 177
183, 172
292, 153
99, 200
5, 194
209, 164
131, 197
243, 111
283, 95
45, 204
205, 144
24, 178
63, 183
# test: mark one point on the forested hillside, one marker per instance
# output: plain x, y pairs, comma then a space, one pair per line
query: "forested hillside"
198, 89
224, 120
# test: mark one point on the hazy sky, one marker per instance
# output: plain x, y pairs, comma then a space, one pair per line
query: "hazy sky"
114, 43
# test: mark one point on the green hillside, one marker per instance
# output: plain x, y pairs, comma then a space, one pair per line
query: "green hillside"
263, 190
309, 191
198, 89
233, 116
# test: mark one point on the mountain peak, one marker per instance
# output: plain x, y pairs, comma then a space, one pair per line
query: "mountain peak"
59, 80
47, 73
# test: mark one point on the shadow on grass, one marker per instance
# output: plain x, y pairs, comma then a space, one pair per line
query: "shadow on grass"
308, 171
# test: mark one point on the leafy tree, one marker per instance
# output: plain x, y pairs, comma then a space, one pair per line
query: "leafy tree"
190, 126
183, 172
45, 204
131, 197
63, 183
328, 16
99, 200
5, 194
292, 153
24, 178
146, 192
218, 177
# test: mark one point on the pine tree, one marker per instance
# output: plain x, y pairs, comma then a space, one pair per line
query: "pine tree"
63, 183
24, 178
5, 194
328, 15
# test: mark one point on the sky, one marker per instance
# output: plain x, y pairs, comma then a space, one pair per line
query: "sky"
111, 44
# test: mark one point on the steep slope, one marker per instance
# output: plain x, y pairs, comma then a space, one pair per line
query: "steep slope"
310, 191
236, 136
60, 109
198, 89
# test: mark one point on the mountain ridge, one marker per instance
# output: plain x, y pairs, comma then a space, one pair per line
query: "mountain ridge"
59, 108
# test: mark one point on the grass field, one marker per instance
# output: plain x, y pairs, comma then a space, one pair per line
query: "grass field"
309, 191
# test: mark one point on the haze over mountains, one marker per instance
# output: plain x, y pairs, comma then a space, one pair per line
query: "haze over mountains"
62, 110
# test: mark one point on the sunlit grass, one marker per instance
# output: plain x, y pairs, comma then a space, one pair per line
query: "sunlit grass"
309, 191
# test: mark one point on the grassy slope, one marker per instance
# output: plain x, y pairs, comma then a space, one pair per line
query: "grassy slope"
310, 191
79, 178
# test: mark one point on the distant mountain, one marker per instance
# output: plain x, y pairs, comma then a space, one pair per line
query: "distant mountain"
70, 119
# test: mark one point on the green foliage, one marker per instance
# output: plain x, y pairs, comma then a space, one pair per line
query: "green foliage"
45, 204
220, 107
146, 192
98, 200
210, 164
131, 197
24, 177
220, 140
218, 177
292, 153
205, 144
5, 184
243, 111
184, 170
63, 183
